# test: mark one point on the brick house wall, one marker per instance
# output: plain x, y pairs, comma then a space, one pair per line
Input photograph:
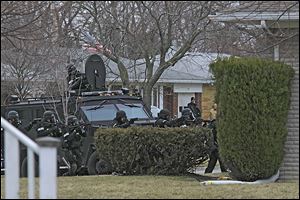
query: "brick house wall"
208, 98
170, 99
289, 53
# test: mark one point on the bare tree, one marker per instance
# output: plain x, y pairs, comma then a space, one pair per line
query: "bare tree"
23, 68
147, 29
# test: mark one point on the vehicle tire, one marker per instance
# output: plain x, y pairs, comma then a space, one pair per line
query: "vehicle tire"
24, 167
98, 166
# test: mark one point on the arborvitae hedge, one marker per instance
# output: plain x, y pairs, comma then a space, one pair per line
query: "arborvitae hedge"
253, 98
151, 150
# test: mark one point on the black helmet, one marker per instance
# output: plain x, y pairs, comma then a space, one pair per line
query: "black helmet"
120, 114
49, 116
13, 117
72, 120
164, 114
186, 113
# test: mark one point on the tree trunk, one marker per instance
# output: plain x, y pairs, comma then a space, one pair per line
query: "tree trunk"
147, 96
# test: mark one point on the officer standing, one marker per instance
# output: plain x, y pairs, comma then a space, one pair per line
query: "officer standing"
73, 142
193, 106
121, 121
49, 126
214, 153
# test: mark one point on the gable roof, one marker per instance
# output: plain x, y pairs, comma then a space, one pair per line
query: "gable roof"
260, 10
192, 68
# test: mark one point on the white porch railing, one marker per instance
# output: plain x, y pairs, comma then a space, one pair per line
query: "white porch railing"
45, 147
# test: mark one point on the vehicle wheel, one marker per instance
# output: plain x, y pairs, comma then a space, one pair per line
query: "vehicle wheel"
24, 167
98, 166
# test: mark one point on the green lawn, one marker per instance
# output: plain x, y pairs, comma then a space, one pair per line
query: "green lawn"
153, 187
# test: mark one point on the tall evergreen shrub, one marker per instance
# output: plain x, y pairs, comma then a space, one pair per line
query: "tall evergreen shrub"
253, 98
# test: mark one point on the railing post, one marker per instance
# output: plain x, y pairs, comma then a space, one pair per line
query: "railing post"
48, 167
31, 174
12, 166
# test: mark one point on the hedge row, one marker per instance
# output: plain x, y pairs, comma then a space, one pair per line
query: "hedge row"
253, 98
151, 150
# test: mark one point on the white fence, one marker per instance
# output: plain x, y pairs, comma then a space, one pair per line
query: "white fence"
45, 147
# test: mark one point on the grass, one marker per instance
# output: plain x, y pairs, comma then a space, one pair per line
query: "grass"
168, 187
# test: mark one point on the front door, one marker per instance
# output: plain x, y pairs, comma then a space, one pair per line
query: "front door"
183, 100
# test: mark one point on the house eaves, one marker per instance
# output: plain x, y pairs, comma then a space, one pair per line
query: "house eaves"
255, 16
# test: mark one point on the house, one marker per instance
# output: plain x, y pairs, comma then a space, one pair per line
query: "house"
189, 77
280, 22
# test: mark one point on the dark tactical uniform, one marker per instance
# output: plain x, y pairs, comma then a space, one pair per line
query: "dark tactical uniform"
214, 154
49, 126
76, 80
13, 118
121, 121
164, 119
186, 118
73, 142
195, 110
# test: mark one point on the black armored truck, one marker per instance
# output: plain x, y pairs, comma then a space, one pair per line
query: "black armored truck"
91, 103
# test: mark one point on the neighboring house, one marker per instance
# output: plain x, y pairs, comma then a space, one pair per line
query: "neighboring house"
280, 20
189, 77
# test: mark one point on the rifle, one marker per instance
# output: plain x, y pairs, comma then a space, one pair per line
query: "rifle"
132, 120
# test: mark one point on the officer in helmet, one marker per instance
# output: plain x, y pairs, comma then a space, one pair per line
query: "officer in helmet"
186, 118
72, 141
13, 118
49, 126
164, 119
121, 121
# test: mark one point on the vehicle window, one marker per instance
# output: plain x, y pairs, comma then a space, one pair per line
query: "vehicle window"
133, 110
100, 113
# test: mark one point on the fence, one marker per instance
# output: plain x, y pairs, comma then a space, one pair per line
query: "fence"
45, 148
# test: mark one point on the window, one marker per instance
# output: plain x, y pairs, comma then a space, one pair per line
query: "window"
133, 110
100, 113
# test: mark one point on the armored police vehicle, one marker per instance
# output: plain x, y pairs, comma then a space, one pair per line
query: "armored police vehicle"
93, 106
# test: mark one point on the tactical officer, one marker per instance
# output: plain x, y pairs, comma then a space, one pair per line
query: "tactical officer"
121, 121
195, 110
186, 118
13, 118
164, 119
76, 80
49, 126
72, 141
214, 152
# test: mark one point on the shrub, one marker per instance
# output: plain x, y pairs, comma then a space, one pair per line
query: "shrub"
253, 102
151, 150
